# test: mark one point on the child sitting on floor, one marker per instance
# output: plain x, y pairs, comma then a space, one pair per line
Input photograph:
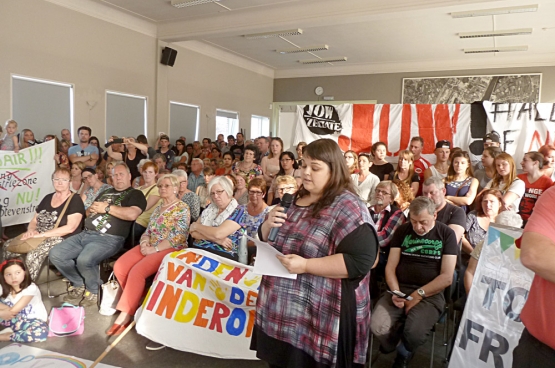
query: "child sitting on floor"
21, 308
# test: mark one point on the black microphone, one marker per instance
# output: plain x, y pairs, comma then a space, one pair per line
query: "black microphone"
286, 201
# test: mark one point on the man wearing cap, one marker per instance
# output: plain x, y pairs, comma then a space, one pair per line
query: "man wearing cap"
420, 163
491, 139
166, 151
439, 169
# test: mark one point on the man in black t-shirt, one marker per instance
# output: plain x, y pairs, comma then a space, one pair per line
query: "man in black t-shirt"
108, 222
447, 213
421, 264
239, 147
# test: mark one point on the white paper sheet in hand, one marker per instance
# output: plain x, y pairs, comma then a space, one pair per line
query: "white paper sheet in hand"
267, 263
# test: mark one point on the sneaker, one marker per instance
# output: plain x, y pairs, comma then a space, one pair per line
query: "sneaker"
74, 295
89, 299
154, 346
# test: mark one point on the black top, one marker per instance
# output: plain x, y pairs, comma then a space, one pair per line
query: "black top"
414, 179
132, 164
110, 224
48, 215
420, 260
382, 170
452, 215
237, 150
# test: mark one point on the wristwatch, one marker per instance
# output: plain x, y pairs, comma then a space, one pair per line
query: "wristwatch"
107, 209
421, 292
156, 247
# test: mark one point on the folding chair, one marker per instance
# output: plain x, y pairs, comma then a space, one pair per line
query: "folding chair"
47, 262
448, 294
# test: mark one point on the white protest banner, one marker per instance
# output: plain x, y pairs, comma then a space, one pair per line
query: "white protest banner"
523, 127
357, 127
25, 179
490, 326
203, 304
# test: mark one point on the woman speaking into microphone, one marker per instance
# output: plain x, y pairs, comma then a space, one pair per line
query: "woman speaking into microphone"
322, 318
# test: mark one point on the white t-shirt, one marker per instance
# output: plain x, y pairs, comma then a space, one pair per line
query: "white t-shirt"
365, 190
518, 187
35, 309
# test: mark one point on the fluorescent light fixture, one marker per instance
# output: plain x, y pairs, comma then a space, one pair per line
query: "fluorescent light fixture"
496, 11
289, 32
304, 49
484, 50
186, 3
508, 32
324, 60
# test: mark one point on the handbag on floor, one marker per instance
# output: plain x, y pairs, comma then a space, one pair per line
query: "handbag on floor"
67, 320
25, 246
111, 292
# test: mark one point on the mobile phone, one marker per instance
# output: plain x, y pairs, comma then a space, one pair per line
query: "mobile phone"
400, 294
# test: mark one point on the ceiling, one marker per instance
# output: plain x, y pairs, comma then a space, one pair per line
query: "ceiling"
376, 36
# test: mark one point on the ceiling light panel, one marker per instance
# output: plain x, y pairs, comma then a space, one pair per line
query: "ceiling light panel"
484, 50
186, 3
508, 32
324, 60
289, 32
303, 49
496, 11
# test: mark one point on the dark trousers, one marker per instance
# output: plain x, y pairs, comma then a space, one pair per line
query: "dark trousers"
532, 353
390, 324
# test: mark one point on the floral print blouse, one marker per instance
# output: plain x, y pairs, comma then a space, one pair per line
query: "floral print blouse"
171, 225
251, 174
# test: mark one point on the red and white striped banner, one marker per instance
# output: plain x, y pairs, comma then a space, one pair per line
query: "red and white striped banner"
357, 127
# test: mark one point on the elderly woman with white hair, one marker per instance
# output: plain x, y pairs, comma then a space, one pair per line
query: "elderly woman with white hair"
218, 229
186, 195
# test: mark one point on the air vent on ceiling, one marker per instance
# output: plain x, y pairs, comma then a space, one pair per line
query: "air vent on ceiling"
496, 11
186, 3
484, 50
303, 49
290, 32
324, 60
508, 32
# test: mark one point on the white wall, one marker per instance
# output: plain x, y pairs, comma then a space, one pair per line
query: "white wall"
43, 40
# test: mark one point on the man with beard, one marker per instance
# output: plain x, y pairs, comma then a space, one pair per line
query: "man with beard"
421, 265
84, 152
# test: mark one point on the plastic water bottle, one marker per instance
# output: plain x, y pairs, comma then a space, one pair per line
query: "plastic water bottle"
242, 251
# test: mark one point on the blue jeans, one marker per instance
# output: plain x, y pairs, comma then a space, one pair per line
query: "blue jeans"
78, 257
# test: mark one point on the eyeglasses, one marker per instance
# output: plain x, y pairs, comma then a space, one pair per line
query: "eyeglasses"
217, 193
286, 189
379, 191
255, 193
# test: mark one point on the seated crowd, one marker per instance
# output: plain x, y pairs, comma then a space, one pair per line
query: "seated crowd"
141, 203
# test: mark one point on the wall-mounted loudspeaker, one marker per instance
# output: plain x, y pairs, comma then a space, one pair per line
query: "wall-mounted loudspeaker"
168, 56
